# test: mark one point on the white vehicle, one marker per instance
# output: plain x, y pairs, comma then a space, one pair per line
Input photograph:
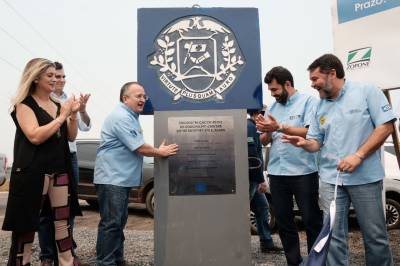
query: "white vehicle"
3, 167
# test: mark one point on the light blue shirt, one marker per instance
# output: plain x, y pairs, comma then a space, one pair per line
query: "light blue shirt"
117, 162
286, 159
81, 125
342, 125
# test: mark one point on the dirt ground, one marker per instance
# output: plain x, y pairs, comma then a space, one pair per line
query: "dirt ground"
140, 220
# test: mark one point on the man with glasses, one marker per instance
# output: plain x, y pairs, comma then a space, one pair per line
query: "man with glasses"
118, 168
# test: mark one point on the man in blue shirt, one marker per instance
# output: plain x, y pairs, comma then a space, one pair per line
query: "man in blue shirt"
118, 168
351, 122
291, 170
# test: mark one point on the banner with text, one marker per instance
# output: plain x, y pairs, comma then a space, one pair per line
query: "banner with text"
366, 39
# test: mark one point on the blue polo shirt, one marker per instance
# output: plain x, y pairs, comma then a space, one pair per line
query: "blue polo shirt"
343, 124
117, 162
284, 158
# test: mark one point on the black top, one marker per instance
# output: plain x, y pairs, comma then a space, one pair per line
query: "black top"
31, 163
48, 156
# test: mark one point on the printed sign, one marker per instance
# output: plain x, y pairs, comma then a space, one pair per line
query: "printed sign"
199, 58
205, 164
353, 9
367, 43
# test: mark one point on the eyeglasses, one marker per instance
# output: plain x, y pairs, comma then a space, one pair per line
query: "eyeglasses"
139, 97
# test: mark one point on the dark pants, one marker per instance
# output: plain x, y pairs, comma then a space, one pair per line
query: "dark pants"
48, 250
304, 188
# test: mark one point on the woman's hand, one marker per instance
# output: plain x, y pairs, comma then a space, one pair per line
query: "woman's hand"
66, 108
75, 105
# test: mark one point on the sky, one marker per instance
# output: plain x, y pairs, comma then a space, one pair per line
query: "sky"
96, 40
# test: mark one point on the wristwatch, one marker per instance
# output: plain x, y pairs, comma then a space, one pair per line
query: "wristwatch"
280, 128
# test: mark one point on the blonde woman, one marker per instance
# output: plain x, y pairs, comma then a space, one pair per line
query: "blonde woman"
40, 177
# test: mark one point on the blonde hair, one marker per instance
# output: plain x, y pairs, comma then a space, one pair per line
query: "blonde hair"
32, 71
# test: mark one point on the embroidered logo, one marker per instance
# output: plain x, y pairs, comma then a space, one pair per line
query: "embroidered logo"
322, 120
293, 117
386, 108
197, 59
353, 111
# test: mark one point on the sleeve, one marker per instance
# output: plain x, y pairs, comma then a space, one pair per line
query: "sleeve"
314, 131
309, 109
81, 125
378, 106
129, 133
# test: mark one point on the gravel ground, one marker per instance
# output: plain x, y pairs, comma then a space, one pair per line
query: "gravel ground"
139, 248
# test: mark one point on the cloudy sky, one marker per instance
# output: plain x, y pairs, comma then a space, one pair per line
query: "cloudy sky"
96, 40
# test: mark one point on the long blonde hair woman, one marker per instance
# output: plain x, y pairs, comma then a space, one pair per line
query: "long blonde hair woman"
40, 176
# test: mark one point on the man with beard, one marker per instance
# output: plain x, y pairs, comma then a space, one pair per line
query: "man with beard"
291, 170
351, 122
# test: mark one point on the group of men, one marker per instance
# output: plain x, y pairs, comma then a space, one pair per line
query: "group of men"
335, 137
311, 141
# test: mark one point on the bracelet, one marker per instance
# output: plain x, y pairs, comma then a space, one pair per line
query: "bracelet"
359, 156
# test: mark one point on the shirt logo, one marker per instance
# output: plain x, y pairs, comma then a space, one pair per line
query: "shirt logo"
353, 111
322, 120
386, 108
197, 58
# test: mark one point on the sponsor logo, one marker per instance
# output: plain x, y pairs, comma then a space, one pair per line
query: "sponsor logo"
353, 111
322, 120
293, 117
359, 58
386, 108
197, 58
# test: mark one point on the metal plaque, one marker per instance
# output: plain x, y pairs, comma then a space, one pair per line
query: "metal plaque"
205, 163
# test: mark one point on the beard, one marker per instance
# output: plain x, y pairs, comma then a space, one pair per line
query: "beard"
328, 90
283, 97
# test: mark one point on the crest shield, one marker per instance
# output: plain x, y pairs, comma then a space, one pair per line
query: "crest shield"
197, 62
197, 58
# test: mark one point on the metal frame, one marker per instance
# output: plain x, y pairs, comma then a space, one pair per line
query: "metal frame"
395, 134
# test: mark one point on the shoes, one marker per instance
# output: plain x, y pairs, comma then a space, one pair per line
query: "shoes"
46, 262
122, 263
269, 248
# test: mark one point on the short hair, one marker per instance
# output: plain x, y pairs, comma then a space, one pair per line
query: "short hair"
326, 63
58, 65
280, 74
125, 87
